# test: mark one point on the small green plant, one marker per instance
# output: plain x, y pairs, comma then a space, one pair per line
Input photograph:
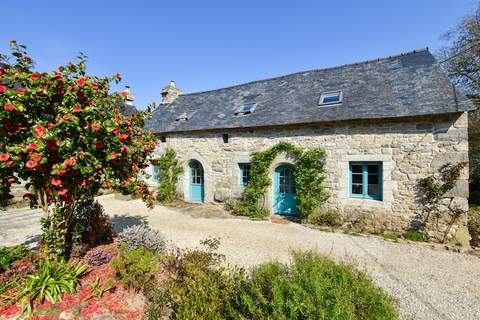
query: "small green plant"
414, 235
473, 226
390, 236
135, 268
52, 279
312, 287
325, 217
100, 289
170, 171
8, 255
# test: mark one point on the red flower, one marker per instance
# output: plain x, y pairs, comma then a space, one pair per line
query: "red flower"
125, 149
49, 125
52, 144
20, 90
35, 76
77, 108
124, 94
113, 155
115, 131
80, 83
1, 71
99, 144
84, 183
118, 76
31, 147
3, 89
56, 181
58, 76
61, 172
36, 157
39, 130
10, 163
4, 156
69, 162
123, 136
9, 107
135, 167
62, 191
27, 196
31, 164
68, 116
95, 86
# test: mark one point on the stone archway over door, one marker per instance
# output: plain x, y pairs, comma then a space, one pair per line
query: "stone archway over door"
285, 191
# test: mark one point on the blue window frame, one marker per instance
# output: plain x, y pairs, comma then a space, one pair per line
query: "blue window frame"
366, 180
156, 174
244, 173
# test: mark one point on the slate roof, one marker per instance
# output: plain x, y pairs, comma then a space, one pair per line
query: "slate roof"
409, 84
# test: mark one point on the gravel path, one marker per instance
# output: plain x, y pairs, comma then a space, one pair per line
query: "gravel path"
429, 283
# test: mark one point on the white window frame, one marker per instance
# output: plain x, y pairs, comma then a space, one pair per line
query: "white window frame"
239, 111
323, 95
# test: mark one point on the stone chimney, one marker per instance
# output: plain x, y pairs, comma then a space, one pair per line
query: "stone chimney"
170, 93
129, 97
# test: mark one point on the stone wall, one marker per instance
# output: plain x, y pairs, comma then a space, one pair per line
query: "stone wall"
409, 149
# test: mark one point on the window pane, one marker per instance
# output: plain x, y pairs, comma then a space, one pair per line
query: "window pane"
357, 189
372, 168
372, 179
331, 98
373, 189
357, 168
357, 178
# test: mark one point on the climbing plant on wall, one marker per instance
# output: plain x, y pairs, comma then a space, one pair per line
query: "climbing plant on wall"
170, 170
309, 177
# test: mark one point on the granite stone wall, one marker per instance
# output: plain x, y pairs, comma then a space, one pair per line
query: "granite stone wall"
409, 149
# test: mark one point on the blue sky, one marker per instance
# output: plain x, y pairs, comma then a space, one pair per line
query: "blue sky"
210, 44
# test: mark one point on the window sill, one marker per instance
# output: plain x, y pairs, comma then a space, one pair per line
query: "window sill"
366, 202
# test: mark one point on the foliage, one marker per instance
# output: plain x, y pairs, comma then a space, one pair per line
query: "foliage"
79, 250
473, 226
309, 177
98, 257
136, 267
139, 236
325, 217
18, 270
414, 235
91, 224
50, 281
433, 190
8, 255
313, 287
170, 171
65, 134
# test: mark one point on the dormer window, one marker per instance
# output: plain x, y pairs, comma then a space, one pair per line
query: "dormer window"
331, 97
246, 108
182, 117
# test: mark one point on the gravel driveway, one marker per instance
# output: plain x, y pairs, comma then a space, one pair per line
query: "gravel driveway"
429, 283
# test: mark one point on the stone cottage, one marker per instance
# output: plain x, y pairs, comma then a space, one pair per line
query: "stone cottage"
384, 124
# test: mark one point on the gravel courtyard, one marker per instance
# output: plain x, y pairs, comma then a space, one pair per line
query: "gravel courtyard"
429, 283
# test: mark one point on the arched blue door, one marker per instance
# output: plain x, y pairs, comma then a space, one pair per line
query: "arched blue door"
196, 182
284, 191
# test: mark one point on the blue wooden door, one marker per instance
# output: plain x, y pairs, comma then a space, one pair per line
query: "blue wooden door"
284, 191
197, 185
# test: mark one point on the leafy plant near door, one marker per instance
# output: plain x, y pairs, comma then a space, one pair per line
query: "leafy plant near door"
309, 177
170, 171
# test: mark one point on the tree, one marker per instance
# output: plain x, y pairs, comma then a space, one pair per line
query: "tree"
64, 133
461, 60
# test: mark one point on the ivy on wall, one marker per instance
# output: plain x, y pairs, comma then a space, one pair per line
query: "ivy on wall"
170, 170
309, 176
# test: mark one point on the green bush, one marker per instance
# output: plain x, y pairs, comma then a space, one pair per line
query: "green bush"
327, 217
170, 171
8, 255
135, 268
473, 226
312, 287
414, 236
52, 279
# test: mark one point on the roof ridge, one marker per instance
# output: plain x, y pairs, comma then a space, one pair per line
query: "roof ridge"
402, 54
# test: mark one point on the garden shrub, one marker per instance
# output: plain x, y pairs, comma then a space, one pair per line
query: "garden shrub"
414, 235
92, 225
52, 279
137, 236
135, 268
170, 171
312, 287
473, 226
18, 270
325, 217
98, 257
8, 255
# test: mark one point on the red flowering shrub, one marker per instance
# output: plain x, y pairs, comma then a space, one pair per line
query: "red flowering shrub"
64, 133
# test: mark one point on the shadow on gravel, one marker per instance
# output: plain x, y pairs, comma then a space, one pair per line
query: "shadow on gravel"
32, 241
122, 222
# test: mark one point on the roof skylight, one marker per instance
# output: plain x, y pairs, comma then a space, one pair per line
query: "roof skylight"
246, 108
331, 97
182, 117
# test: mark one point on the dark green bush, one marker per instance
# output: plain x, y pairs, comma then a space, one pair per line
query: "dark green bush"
170, 170
473, 226
312, 287
135, 268
8, 255
325, 217
414, 236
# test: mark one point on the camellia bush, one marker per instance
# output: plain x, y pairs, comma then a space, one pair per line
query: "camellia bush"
63, 132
